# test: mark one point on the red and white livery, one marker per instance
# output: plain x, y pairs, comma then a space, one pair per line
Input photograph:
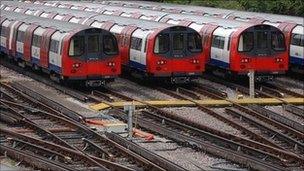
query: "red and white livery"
67, 51
233, 46
148, 48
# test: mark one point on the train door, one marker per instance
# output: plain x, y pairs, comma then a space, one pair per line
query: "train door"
36, 43
55, 51
297, 46
20, 40
136, 50
218, 53
143, 57
4, 33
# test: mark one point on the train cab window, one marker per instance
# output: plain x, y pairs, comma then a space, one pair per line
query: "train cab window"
110, 45
162, 43
3, 31
297, 40
277, 41
218, 42
36, 40
246, 42
20, 36
178, 42
93, 44
54, 47
262, 40
136, 43
77, 45
194, 42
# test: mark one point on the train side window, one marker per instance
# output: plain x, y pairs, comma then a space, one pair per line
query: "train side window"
297, 40
246, 42
3, 31
36, 40
136, 43
20, 36
302, 41
77, 45
162, 43
228, 45
54, 46
218, 42
277, 41
110, 45
194, 42
93, 44
146, 45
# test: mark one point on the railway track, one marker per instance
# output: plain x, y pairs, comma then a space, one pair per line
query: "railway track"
73, 135
158, 116
286, 137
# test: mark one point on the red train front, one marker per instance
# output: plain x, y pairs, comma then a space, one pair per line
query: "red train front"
91, 55
174, 52
260, 48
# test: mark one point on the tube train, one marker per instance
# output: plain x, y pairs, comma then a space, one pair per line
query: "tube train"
66, 51
293, 27
233, 46
148, 49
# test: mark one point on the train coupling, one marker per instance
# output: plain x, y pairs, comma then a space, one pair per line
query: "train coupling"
180, 80
95, 83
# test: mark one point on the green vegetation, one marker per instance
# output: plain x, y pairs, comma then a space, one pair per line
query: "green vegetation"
286, 7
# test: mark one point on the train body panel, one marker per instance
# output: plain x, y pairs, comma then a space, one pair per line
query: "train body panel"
297, 46
137, 39
47, 45
295, 23
221, 37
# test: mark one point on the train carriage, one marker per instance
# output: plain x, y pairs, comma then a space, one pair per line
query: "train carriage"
66, 51
232, 46
149, 49
292, 26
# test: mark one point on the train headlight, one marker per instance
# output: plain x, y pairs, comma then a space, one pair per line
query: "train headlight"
245, 60
111, 64
76, 65
161, 62
195, 61
278, 59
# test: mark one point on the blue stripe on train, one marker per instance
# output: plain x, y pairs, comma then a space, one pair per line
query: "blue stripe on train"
35, 60
55, 68
3, 49
219, 63
296, 60
137, 65
19, 55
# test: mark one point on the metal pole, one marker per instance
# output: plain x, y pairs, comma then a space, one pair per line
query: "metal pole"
130, 120
251, 83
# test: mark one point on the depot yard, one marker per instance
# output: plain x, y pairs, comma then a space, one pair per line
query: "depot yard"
150, 95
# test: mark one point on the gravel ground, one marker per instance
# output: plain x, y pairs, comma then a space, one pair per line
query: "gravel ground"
135, 90
10, 75
281, 111
232, 94
291, 84
195, 115
184, 157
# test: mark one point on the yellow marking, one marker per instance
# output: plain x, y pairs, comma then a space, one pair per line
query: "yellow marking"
206, 102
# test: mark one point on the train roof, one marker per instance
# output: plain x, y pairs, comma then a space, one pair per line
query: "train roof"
198, 19
44, 22
143, 24
212, 11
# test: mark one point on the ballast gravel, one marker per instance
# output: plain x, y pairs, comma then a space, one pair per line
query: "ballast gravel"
195, 115
280, 110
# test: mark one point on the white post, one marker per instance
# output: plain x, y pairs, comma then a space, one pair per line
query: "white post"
251, 83
130, 124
